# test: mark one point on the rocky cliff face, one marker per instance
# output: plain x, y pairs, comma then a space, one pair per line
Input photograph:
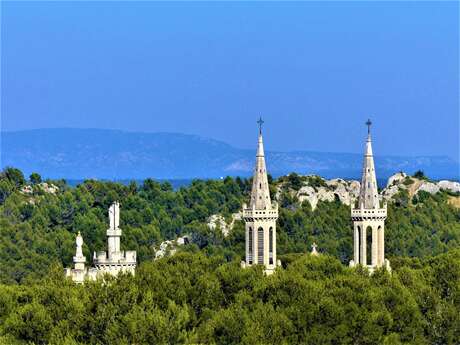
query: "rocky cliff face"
217, 220
43, 187
412, 185
169, 248
345, 191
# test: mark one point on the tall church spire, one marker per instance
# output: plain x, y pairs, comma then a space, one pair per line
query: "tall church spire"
369, 218
260, 194
368, 196
260, 217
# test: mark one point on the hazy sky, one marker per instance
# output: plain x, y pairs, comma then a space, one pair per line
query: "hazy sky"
314, 71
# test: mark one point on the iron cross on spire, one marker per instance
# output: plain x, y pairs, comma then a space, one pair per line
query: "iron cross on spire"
260, 122
368, 124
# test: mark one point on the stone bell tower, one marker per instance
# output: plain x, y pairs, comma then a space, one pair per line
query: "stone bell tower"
369, 218
260, 217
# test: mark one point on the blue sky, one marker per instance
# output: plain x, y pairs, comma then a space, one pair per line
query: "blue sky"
314, 71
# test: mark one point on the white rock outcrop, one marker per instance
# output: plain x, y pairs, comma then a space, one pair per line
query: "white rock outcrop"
397, 183
346, 191
45, 187
429, 187
308, 193
450, 186
49, 188
390, 191
218, 220
28, 189
169, 248
396, 178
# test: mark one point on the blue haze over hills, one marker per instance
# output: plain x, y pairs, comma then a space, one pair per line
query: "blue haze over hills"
117, 155
314, 70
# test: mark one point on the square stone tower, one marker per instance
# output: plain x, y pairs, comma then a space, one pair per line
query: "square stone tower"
369, 218
115, 260
260, 217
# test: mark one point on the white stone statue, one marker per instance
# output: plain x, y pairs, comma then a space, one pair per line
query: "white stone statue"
313, 249
79, 259
79, 242
114, 215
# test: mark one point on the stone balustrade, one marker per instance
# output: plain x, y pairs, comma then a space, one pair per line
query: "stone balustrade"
265, 214
367, 214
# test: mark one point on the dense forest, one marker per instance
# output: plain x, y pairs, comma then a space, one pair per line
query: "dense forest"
201, 295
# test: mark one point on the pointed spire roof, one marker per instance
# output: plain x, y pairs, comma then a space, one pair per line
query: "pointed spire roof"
368, 195
260, 194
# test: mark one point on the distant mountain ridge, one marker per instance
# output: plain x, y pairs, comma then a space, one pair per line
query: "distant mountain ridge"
115, 154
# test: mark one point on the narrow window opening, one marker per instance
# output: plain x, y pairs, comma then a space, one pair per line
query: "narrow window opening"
250, 245
368, 245
260, 245
359, 244
270, 246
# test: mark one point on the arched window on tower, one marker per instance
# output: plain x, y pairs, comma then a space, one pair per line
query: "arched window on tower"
358, 245
369, 244
260, 245
250, 245
270, 246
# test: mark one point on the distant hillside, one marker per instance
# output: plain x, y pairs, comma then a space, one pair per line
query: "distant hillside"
113, 154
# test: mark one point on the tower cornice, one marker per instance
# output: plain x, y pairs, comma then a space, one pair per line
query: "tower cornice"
359, 214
